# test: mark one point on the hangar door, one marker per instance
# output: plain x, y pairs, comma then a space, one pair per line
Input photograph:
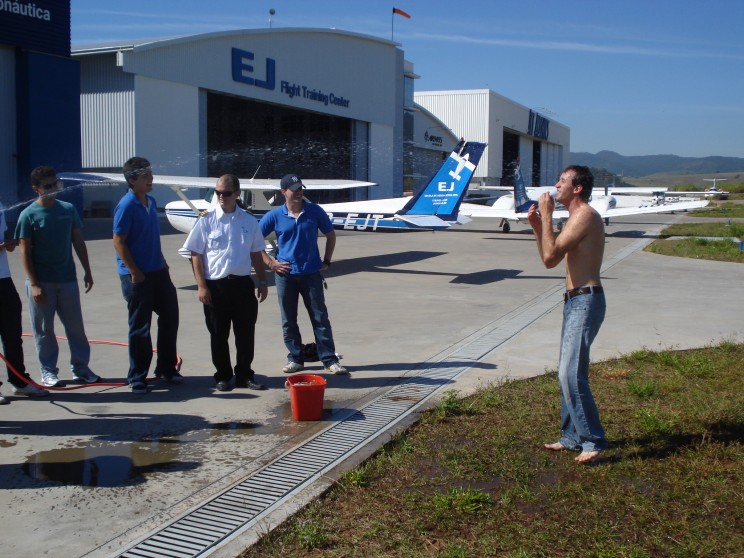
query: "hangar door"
243, 135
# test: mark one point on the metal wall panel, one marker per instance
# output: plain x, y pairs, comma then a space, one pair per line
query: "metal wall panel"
483, 115
107, 112
8, 148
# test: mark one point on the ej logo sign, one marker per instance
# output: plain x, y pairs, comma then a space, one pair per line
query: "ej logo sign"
240, 68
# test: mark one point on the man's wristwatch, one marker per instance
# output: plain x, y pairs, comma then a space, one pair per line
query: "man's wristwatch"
327, 262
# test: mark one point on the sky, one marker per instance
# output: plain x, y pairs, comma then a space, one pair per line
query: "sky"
635, 77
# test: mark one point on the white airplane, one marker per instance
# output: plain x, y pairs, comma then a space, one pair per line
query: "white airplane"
607, 206
714, 192
435, 207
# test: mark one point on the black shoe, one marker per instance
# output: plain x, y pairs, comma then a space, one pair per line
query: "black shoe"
223, 386
174, 378
250, 384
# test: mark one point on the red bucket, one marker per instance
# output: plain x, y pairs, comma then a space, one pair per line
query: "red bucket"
306, 395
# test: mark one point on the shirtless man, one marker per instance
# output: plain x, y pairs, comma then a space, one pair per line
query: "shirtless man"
581, 242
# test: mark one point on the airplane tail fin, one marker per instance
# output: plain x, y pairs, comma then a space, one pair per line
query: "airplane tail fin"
522, 201
445, 191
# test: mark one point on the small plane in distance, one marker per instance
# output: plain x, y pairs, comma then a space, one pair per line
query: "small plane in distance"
713, 193
514, 207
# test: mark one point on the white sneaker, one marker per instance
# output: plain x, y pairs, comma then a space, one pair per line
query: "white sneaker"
86, 377
337, 369
30, 391
49, 379
291, 367
4, 401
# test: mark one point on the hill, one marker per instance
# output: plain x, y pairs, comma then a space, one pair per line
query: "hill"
644, 165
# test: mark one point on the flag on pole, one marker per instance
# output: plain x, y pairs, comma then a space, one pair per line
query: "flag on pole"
401, 12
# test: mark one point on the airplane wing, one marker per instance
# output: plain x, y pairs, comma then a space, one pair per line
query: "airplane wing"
649, 209
209, 182
310, 184
635, 191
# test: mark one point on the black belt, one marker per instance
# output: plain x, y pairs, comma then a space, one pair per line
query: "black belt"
568, 295
231, 277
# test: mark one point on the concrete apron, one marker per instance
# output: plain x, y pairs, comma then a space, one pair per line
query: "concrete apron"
94, 470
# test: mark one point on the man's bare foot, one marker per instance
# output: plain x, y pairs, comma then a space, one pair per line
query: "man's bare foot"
587, 457
557, 446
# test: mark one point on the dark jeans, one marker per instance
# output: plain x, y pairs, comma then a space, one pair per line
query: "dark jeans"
155, 294
233, 303
289, 289
11, 330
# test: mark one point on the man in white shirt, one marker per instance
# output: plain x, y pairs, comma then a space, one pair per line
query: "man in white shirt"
224, 243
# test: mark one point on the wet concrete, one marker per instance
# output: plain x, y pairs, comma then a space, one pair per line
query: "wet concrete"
92, 470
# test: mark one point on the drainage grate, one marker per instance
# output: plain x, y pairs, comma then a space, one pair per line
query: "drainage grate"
239, 508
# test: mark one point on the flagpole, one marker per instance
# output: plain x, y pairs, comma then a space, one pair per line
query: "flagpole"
392, 24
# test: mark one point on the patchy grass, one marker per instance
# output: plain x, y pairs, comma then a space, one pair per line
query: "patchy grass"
726, 210
699, 245
470, 479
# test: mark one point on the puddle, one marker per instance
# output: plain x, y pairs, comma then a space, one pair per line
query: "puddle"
112, 464
120, 461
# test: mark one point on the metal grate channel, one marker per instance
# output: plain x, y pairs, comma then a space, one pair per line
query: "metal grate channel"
200, 530
197, 533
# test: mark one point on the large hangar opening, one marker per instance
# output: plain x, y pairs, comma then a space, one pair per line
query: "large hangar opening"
248, 138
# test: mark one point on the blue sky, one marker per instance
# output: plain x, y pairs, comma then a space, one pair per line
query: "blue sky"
637, 77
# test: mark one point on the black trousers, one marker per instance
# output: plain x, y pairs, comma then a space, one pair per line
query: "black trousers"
11, 330
234, 304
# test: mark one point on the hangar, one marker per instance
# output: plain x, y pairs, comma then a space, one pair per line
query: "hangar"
323, 103
258, 102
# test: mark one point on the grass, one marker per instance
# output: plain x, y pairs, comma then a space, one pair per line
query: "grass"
470, 479
726, 210
701, 244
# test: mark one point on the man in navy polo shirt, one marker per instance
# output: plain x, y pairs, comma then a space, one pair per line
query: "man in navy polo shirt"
298, 266
145, 280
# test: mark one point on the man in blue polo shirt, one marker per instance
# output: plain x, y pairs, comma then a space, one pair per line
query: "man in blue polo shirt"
298, 266
145, 279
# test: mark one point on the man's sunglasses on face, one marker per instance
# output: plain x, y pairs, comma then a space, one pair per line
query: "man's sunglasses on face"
224, 193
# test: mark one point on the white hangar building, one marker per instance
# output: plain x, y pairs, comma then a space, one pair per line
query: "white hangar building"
265, 102
322, 103
514, 134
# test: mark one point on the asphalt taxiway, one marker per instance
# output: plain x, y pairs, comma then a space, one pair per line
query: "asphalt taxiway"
92, 472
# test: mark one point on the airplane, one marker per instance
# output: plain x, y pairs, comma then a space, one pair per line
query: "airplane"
713, 192
434, 207
607, 206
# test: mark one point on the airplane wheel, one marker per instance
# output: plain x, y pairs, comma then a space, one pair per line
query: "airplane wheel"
506, 228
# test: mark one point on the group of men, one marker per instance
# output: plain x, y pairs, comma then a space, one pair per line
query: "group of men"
225, 244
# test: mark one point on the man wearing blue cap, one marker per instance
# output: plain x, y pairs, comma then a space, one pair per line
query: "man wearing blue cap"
298, 266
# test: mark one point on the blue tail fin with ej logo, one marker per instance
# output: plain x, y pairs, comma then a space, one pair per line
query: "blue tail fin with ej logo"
442, 196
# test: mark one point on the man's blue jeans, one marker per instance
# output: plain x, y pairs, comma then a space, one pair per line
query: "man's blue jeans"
289, 288
581, 429
155, 294
62, 299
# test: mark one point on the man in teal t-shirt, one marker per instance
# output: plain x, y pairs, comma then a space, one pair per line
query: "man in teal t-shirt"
47, 231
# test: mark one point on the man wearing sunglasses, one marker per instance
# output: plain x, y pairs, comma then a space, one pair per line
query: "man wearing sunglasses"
47, 231
224, 243
145, 280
